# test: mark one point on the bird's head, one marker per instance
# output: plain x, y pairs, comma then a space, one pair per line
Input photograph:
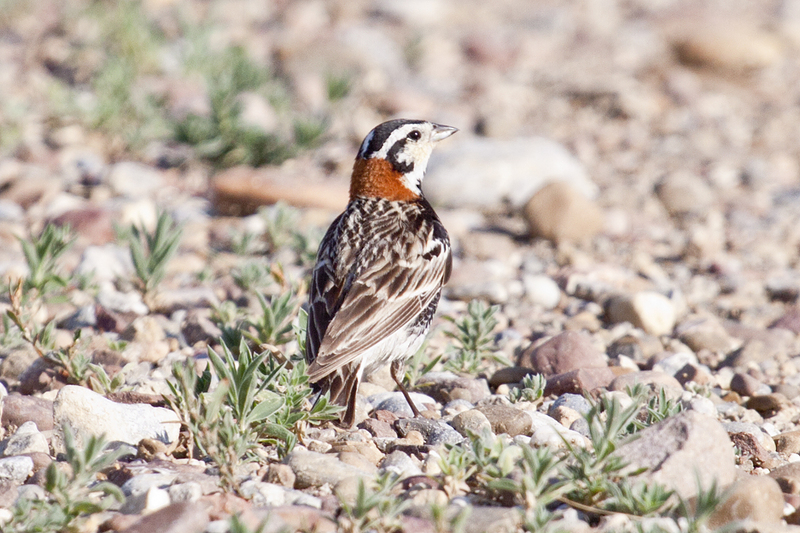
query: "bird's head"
393, 157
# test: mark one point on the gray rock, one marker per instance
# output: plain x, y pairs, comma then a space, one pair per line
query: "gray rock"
26, 439
684, 194
472, 421
396, 403
88, 412
142, 483
705, 333
315, 469
435, 432
682, 450
16, 469
446, 386
401, 464
675, 362
573, 401
147, 502
546, 431
185, 492
501, 170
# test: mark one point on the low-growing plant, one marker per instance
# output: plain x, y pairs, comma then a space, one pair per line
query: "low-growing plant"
416, 366
376, 508
42, 254
71, 494
151, 251
274, 325
532, 389
473, 338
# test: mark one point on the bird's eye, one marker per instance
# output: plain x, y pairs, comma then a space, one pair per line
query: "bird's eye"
414, 136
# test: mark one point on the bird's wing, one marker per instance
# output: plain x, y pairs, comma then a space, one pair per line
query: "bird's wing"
388, 294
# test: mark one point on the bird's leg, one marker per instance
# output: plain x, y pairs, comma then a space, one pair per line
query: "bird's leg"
395, 368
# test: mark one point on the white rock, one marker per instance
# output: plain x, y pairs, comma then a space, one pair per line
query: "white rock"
185, 492
484, 173
547, 432
672, 364
263, 494
650, 311
16, 469
106, 263
27, 439
542, 290
123, 302
134, 180
88, 412
152, 500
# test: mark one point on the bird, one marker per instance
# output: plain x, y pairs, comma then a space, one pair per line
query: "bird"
380, 267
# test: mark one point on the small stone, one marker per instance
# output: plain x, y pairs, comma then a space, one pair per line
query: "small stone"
577, 402
185, 492
542, 290
280, 474
506, 419
788, 443
446, 386
734, 46
749, 446
147, 449
134, 180
366, 449
705, 333
747, 427
150, 501
435, 432
263, 494
315, 469
788, 477
746, 385
650, 311
90, 413
509, 374
790, 320
378, 428
768, 405
180, 517
750, 498
546, 432
559, 213
471, 422
27, 439
400, 464
493, 519
683, 194
396, 403
566, 351
16, 469
564, 415
682, 451
580, 380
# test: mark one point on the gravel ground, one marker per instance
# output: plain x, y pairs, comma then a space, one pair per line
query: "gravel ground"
625, 189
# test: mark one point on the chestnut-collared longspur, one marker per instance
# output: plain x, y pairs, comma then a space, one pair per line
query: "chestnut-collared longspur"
380, 267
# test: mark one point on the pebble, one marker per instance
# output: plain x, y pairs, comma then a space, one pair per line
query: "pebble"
651, 311
705, 333
134, 180
18, 409
16, 469
559, 213
395, 402
570, 350
471, 422
184, 517
580, 380
446, 386
400, 464
26, 439
88, 412
500, 170
788, 442
542, 291
435, 432
576, 402
509, 374
746, 385
190, 491
506, 419
546, 431
681, 451
314, 469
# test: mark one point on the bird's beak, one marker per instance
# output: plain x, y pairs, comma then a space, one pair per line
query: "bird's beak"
442, 132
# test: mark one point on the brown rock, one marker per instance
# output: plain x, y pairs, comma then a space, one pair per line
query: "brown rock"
691, 373
444, 387
559, 213
788, 442
728, 46
240, 191
753, 497
705, 333
280, 474
578, 381
769, 404
509, 374
181, 517
92, 224
378, 428
18, 409
566, 351
507, 419
747, 385
750, 447
788, 477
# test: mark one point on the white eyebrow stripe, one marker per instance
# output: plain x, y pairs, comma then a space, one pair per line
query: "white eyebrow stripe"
399, 133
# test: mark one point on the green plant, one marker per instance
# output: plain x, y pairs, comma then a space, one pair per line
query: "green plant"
532, 389
656, 406
376, 508
152, 251
42, 254
700, 510
253, 276
73, 493
274, 325
338, 86
473, 337
416, 366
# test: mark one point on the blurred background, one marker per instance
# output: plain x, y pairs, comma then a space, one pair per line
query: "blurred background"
656, 134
